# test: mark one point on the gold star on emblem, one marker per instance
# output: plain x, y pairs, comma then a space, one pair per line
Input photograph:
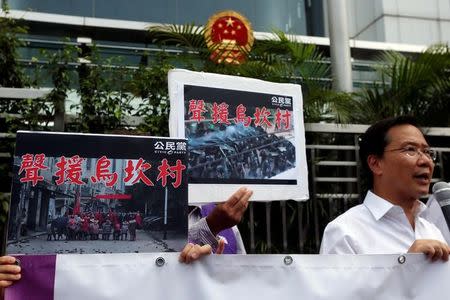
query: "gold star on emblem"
233, 32
225, 31
220, 25
230, 22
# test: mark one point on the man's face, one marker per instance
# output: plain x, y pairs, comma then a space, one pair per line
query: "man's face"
405, 175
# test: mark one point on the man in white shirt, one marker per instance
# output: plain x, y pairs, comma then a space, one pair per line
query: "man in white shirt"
399, 164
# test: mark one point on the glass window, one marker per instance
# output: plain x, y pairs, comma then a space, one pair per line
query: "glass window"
291, 16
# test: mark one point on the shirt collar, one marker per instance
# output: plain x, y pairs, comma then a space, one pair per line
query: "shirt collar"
379, 206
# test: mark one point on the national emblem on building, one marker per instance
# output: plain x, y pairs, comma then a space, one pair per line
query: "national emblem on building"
229, 37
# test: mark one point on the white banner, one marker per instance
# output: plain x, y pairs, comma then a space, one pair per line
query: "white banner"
271, 277
240, 131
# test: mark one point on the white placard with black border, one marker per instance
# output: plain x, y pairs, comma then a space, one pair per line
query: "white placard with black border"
241, 132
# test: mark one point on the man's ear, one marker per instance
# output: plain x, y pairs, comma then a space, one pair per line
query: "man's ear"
374, 163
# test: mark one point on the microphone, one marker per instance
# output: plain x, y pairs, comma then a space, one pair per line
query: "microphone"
441, 192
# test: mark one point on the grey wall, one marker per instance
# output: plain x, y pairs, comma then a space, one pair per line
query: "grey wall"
423, 22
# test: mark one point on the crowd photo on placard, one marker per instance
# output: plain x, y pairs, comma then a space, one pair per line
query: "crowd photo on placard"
95, 226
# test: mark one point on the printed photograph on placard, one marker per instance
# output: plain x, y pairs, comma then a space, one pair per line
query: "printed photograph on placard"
239, 137
86, 193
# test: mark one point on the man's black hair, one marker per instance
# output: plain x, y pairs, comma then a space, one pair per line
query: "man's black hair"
375, 140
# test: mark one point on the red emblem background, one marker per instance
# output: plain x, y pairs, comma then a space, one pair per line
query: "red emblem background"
229, 37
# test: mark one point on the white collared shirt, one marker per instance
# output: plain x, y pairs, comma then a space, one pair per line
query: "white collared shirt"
376, 227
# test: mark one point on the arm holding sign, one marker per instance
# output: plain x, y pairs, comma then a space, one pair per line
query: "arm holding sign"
203, 234
9, 272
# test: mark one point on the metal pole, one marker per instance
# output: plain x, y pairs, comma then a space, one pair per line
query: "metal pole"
339, 46
300, 226
268, 227
284, 225
314, 199
358, 166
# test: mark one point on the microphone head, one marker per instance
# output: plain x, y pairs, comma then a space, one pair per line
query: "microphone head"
440, 185
441, 191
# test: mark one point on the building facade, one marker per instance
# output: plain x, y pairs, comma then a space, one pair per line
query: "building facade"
119, 28
416, 22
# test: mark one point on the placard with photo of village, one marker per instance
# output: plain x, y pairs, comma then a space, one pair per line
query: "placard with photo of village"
90, 193
240, 131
